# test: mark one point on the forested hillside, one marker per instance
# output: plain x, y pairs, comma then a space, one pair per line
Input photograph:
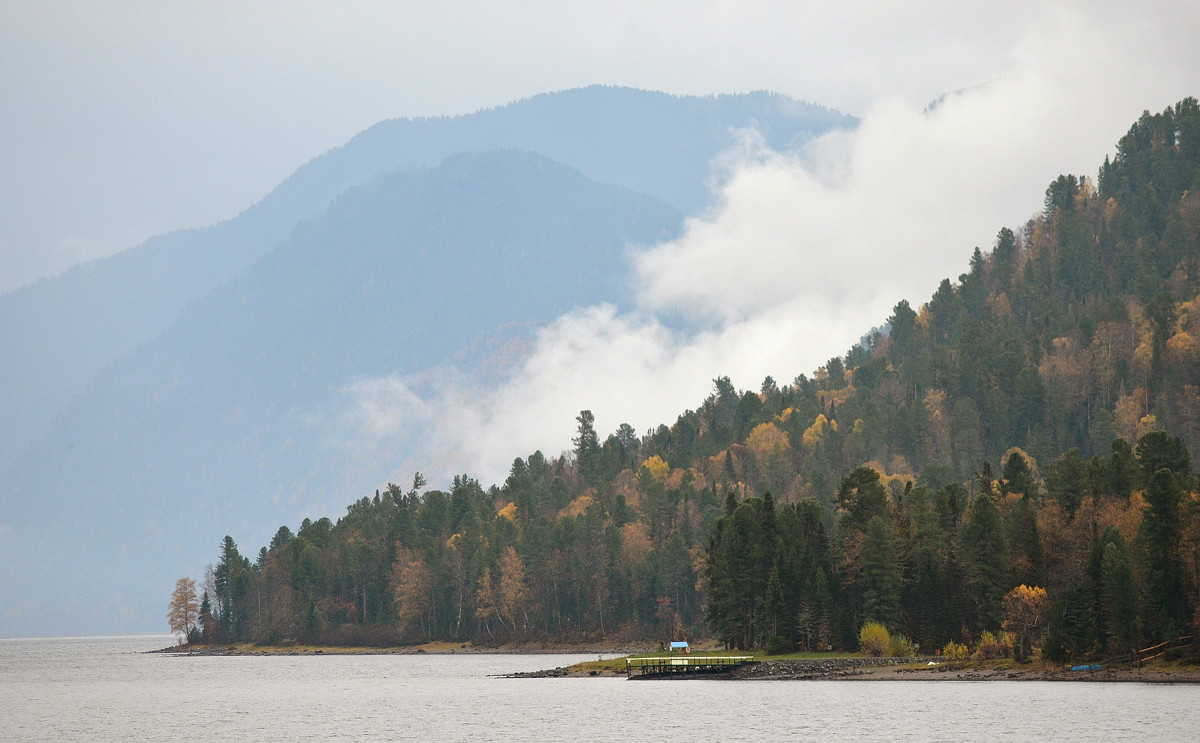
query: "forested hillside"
1027, 426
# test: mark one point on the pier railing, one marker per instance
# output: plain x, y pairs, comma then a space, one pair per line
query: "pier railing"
683, 665
1135, 658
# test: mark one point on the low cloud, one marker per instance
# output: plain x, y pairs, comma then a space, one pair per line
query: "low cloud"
627, 368
800, 254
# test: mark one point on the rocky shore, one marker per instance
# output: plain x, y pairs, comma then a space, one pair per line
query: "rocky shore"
901, 669
818, 668
554, 673
919, 669
789, 669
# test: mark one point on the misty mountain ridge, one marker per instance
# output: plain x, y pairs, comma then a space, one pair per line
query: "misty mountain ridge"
222, 413
59, 332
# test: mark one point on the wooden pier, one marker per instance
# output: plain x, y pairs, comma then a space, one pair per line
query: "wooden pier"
680, 666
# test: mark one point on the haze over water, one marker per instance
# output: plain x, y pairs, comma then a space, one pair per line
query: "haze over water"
110, 689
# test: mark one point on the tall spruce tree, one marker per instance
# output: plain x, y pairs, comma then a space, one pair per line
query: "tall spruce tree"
1118, 597
1159, 533
985, 552
1027, 559
881, 576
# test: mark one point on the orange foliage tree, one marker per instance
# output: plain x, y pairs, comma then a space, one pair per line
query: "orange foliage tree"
184, 608
410, 585
514, 592
1026, 611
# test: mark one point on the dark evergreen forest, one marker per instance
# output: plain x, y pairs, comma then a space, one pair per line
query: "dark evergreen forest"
1024, 440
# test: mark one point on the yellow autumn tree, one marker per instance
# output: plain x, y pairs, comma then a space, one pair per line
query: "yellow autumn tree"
939, 424
1026, 612
772, 453
1182, 348
411, 585
1128, 414
508, 512
765, 438
485, 600
815, 434
657, 468
514, 593
577, 507
635, 545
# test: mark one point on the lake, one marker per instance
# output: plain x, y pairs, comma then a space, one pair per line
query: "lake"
110, 689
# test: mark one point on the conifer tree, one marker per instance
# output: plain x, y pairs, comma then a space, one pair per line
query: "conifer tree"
881, 575
1121, 470
1018, 478
1119, 598
587, 446
986, 555
1159, 534
1065, 480
1025, 544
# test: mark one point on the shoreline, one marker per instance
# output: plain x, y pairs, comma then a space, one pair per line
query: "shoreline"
430, 648
966, 671
858, 668
839, 668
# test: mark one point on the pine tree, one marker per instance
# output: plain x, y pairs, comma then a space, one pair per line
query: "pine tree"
1119, 597
587, 446
776, 629
1121, 470
1159, 534
1159, 450
1065, 480
1025, 544
863, 497
881, 575
1018, 478
986, 556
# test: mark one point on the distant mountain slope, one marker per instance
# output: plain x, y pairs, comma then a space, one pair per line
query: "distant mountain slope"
58, 333
649, 142
214, 417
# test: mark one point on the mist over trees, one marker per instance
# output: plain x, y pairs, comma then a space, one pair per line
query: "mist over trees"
1011, 462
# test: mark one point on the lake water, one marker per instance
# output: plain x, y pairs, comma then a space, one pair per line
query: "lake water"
109, 689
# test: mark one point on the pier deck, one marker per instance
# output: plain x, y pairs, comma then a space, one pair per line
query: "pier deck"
683, 665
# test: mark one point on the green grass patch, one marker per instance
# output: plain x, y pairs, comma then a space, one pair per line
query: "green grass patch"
611, 665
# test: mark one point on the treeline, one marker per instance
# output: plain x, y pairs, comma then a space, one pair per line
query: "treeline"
1007, 432
542, 557
1117, 569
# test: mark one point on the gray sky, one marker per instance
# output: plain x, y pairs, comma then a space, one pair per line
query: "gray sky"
121, 120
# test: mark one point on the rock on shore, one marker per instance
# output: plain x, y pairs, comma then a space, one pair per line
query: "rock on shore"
817, 668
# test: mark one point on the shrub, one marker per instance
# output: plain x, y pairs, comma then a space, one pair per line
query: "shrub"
901, 647
776, 645
955, 651
992, 648
874, 640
